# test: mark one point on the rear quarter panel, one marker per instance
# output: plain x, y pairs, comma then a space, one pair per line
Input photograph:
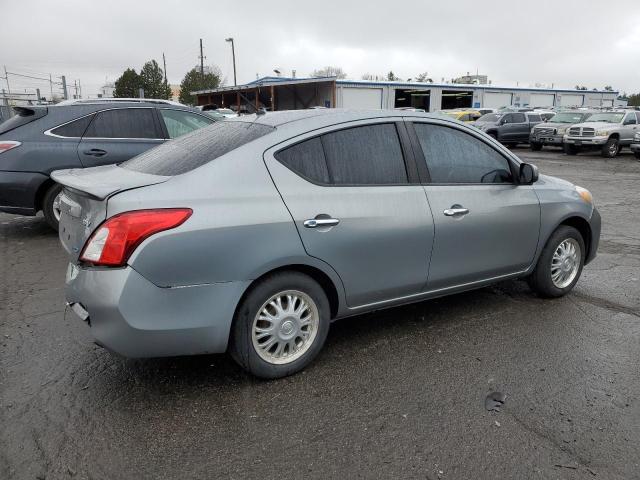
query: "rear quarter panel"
239, 230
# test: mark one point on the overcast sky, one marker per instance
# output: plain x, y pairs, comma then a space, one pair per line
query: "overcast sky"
560, 42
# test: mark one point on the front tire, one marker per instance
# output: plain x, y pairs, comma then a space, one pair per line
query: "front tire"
280, 326
560, 263
611, 148
51, 206
570, 149
637, 154
536, 147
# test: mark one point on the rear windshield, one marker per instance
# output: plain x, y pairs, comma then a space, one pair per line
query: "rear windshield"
22, 117
193, 150
490, 117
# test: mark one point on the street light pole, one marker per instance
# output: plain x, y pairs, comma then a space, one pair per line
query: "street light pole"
233, 54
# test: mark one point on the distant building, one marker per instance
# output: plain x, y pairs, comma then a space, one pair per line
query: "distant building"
472, 79
106, 91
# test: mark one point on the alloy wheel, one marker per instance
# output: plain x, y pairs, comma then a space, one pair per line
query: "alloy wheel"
285, 327
565, 263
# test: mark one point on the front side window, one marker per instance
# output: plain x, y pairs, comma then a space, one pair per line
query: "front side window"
534, 117
123, 123
180, 123
453, 156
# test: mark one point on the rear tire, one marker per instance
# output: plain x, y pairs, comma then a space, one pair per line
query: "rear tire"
266, 320
557, 271
51, 206
611, 148
536, 147
570, 149
637, 154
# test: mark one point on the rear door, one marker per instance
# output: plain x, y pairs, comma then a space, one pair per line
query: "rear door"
118, 134
486, 225
352, 201
515, 129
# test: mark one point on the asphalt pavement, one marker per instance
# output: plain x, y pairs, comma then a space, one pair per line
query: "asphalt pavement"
399, 393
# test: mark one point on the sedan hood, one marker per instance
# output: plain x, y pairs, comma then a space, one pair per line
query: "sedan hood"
101, 182
555, 181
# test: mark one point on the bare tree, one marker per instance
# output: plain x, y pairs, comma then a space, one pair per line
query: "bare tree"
424, 78
329, 71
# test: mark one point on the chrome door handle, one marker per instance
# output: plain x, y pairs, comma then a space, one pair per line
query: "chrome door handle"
452, 212
321, 222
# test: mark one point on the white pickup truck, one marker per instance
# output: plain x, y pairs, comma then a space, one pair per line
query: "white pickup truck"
607, 131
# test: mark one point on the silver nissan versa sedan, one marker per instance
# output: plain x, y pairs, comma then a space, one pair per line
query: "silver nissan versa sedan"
252, 235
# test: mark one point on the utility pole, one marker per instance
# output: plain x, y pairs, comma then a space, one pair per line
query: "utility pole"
38, 96
6, 77
51, 88
65, 94
80, 88
201, 61
233, 54
164, 62
75, 87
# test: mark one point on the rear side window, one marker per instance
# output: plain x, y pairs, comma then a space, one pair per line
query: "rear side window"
456, 157
197, 148
518, 118
73, 129
306, 159
369, 155
123, 123
534, 117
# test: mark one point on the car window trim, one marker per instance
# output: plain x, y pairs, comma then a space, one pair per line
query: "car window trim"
155, 124
426, 179
392, 121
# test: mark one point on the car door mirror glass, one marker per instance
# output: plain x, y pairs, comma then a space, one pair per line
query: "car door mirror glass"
528, 174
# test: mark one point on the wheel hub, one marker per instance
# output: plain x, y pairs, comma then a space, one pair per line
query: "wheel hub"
565, 263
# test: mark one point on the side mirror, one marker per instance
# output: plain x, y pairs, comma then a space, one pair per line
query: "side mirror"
528, 174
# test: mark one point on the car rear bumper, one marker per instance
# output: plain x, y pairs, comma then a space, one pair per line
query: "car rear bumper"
595, 222
18, 191
134, 318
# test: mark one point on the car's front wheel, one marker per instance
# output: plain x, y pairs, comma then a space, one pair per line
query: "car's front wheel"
280, 325
611, 148
560, 263
51, 206
536, 146
637, 154
571, 149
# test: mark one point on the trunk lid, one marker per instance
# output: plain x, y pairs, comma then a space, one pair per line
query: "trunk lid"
83, 201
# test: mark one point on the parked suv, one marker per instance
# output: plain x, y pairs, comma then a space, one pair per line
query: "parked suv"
40, 139
606, 131
253, 235
552, 132
509, 128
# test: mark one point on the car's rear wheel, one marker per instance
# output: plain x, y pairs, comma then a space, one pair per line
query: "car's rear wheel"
51, 206
280, 325
637, 154
611, 148
536, 146
560, 263
571, 149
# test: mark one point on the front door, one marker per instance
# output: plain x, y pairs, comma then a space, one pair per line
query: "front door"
118, 134
486, 225
354, 208
515, 128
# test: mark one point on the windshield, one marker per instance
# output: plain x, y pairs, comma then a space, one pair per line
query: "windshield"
197, 148
226, 111
489, 117
570, 117
606, 117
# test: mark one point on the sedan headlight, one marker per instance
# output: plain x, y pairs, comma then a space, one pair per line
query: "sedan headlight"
636, 137
585, 194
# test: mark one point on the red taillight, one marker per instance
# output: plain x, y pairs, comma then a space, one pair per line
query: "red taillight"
8, 145
114, 241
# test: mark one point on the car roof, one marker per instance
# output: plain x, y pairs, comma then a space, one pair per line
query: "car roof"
118, 100
328, 116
